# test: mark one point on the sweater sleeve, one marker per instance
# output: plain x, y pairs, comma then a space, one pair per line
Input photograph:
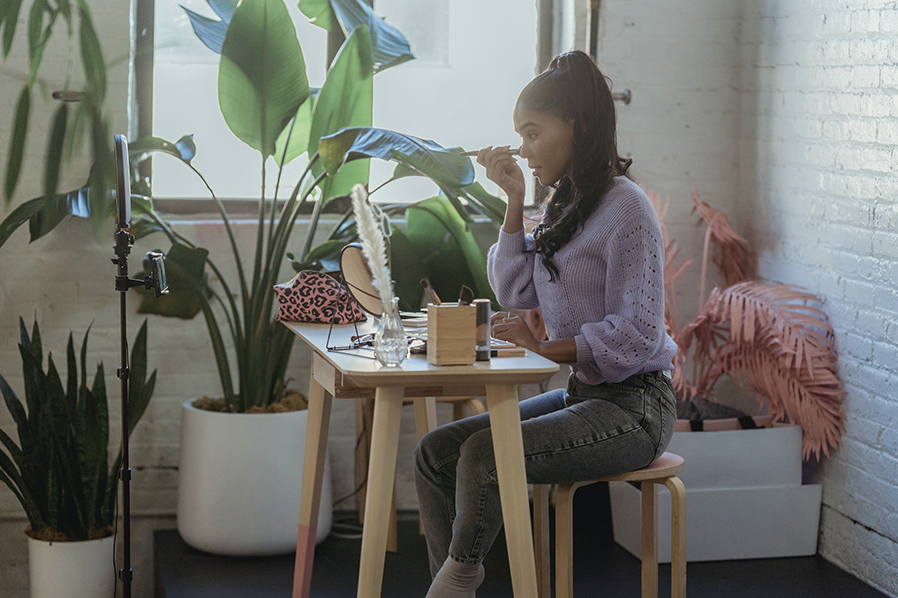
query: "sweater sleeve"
633, 331
510, 270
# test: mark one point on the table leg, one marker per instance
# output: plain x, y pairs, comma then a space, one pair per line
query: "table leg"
541, 539
312, 475
381, 476
425, 415
505, 423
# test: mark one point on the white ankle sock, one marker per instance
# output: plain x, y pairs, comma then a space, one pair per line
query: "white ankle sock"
456, 580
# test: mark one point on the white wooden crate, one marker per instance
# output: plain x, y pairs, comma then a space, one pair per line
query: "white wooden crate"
726, 523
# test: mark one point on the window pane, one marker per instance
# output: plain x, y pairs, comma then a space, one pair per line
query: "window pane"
473, 58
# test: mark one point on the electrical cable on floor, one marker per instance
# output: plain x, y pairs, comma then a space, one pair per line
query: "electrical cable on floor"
349, 528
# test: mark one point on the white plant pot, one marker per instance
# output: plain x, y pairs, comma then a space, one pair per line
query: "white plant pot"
240, 481
71, 569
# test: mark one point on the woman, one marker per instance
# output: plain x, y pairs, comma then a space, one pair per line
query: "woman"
595, 266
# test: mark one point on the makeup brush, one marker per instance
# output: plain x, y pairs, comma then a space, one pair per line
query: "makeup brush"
511, 152
466, 295
432, 296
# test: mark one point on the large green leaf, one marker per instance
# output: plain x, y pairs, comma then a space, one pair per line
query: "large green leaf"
262, 78
54, 150
141, 149
92, 57
38, 35
185, 269
445, 166
9, 17
141, 388
490, 205
408, 269
17, 142
346, 100
295, 135
320, 14
388, 46
209, 31
448, 248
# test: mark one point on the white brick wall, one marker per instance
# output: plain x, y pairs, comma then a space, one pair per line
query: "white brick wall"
818, 109
783, 115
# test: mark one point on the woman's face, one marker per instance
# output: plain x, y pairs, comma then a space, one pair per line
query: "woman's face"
548, 144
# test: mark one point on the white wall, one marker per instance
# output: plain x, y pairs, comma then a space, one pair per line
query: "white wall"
783, 115
818, 136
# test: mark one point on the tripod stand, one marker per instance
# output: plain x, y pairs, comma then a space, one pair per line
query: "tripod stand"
156, 281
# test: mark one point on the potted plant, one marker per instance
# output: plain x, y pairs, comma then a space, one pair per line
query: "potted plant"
59, 468
774, 339
267, 103
284, 120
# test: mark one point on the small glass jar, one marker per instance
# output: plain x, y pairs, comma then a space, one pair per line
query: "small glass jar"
390, 343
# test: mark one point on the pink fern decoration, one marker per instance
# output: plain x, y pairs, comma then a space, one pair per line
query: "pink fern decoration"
774, 339
734, 255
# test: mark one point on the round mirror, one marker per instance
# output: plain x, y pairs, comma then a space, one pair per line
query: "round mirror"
358, 279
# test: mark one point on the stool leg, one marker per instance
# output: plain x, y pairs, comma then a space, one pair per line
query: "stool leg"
677, 537
541, 540
649, 540
564, 541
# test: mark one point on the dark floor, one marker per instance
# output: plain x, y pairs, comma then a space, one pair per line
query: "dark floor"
601, 568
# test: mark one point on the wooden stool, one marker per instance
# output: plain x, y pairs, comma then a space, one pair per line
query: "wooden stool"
663, 471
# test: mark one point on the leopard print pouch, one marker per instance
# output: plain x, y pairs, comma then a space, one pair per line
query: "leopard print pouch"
316, 297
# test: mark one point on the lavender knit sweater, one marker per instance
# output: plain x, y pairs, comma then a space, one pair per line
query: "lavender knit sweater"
609, 295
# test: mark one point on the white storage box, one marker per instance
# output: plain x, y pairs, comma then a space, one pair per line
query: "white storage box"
744, 498
726, 524
740, 458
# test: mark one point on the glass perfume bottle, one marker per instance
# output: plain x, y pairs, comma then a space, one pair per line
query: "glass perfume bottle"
390, 343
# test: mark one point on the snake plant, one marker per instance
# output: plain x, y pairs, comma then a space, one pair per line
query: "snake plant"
59, 469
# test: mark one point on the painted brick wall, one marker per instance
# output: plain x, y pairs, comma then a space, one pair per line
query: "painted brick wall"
783, 115
818, 136
780, 113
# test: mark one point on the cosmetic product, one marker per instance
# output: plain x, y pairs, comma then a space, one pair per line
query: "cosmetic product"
512, 151
432, 296
482, 334
466, 295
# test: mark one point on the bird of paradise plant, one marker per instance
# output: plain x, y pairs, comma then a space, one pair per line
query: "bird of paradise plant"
772, 338
266, 101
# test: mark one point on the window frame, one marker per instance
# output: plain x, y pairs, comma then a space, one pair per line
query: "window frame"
142, 97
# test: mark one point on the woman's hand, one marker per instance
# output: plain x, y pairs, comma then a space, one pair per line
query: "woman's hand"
512, 328
503, 169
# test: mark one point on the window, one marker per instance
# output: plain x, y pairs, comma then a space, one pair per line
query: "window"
472, 59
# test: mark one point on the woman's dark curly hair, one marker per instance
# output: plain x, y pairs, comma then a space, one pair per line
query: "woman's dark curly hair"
573, 89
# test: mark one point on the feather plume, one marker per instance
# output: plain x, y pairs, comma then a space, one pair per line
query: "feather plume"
374, 246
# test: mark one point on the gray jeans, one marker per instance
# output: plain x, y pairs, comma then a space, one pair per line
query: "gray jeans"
581, 433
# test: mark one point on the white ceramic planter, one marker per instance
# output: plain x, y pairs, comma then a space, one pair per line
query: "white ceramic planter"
240, 480
71, 569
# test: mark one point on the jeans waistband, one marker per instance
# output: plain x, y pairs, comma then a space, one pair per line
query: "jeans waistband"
574, 382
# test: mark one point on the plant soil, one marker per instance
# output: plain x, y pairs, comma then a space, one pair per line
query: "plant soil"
291, 400
51, 535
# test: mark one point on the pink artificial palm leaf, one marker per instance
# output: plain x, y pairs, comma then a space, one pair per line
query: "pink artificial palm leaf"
776, 340
734, 258
672, 270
